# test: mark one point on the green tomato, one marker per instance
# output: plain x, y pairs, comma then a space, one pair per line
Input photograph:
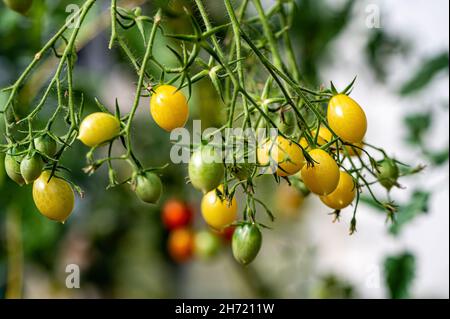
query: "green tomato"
206, 169
21, 6
246, 243
31, 167
206, 244
46, 145
12, 167
388, 173
148, 187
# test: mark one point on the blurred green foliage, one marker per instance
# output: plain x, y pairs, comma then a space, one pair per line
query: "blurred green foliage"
399, 273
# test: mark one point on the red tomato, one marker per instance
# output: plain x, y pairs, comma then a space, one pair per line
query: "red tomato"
176, 214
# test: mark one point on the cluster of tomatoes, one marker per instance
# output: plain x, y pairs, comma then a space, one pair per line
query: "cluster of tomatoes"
184, 242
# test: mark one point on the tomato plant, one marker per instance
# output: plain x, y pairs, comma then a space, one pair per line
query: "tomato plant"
319, 146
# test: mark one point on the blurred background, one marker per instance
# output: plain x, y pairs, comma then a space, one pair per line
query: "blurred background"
398, 50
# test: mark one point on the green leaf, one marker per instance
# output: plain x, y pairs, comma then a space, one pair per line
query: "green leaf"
417, 206
417, 125
399, 272
425, 74
438, 158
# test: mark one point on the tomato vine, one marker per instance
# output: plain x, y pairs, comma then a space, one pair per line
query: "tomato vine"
255, 72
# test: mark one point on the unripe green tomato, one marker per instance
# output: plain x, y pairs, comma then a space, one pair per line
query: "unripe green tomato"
206, 169
46, 145
31, 167
148, 187
246, 243
388, 173
206, 244
12, 167
21, 6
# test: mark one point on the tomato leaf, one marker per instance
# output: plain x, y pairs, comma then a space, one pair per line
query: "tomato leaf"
425, 74
418, 125
417, 205
399, 272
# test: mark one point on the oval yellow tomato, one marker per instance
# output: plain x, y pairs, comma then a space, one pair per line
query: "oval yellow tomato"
343, 195
216, 212
346, 118
322, 178
169, 107
98, 128
55, 198
286, 155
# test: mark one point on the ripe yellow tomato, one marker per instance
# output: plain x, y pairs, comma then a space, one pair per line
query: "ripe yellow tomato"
169, 107
322, 178
216, 212
346, 118
343, 195
180, 244
55, 198
287, 156
98, 128
323, 138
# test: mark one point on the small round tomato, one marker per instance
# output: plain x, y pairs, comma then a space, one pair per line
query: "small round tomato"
176, 214
98, 128
31, 167
180, 244
169, 107
12, 167
46, 145
54, 198
286, 155
343, 195
321, 177
246, 243
206, 168
346, 118
21, 6
218, 212
206, 244
148, 187
388, 173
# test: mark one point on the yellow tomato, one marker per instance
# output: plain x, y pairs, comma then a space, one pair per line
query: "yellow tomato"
98, 128
216, 212
346, 118
322, 178
323, 138
343, 195
286, 155
169, 107
55, 198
